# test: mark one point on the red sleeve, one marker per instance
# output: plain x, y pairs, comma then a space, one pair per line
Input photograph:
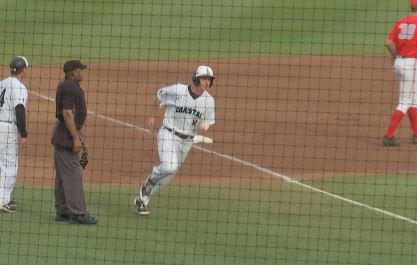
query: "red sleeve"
393, 34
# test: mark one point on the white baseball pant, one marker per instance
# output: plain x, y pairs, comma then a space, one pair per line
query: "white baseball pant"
9, 148
172, 152
406, 73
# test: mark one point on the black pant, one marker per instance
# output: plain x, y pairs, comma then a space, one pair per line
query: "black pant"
69, 192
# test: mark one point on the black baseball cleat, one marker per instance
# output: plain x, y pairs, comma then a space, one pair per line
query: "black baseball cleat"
86, 219
390, 141
62, 217
13, 203
8, 208
141, 207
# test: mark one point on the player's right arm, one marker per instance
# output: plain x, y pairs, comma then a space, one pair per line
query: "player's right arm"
68, 99
392, 39
164, 96
70, 123
150, 122
390, 45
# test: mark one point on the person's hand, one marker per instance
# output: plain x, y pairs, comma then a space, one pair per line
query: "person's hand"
23, 141
203, 126
150, 122
76, 145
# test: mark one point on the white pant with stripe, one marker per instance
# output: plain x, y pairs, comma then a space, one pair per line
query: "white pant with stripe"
406, 73
172, 152
9, 148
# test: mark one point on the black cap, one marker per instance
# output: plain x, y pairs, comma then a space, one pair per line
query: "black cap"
18, 64
71, 65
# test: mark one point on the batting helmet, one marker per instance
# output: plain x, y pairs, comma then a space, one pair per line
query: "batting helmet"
202, 71
18, 64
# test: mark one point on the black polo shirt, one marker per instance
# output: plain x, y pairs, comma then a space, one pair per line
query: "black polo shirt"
69, 96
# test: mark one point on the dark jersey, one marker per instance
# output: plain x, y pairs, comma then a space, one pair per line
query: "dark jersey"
69, 96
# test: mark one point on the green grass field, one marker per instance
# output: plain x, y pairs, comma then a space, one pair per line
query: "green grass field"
271, 224
47, 31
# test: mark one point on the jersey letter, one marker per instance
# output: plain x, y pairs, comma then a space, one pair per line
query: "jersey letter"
2, 97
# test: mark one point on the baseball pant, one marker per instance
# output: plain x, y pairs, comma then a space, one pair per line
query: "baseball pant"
9, 156
172, 152
406, 73
69, 192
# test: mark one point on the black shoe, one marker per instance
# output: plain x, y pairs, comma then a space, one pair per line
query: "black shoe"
141, 207
83, 219
8, 208
13, 203
62, 217
390, 141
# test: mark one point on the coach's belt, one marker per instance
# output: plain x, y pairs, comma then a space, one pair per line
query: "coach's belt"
180, 135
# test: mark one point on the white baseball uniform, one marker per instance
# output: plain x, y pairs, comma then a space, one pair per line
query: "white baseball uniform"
182, 117
12, 93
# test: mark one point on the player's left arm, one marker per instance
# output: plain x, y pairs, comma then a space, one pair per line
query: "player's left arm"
150, 121
204, 126
209, 118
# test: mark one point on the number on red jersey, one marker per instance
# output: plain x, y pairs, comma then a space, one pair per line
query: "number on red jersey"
407, 31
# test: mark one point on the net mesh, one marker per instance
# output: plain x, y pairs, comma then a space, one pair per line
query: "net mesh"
297, 173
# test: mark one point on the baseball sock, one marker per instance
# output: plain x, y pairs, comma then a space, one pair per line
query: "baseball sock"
412, 115
396, 118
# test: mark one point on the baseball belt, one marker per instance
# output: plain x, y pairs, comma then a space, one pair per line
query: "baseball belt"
180, 135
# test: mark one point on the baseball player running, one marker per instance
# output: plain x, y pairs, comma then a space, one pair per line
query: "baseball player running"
189, 109
13, 97
402, 45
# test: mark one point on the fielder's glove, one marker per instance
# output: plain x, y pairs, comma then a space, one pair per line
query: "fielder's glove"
84, 156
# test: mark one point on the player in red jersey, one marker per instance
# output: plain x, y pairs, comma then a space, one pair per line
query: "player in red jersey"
402, 45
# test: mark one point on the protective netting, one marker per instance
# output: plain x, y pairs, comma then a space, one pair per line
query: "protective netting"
297, 173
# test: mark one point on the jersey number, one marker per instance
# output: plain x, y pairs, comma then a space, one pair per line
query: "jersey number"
2, 97
407, 31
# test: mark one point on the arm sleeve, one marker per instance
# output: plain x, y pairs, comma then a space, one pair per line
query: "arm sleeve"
167, 95
210, 114
68, 98
21, 120
393, 34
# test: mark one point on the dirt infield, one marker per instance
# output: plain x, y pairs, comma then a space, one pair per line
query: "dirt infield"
305, 117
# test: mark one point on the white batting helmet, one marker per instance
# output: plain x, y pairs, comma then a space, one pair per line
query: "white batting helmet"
203, 71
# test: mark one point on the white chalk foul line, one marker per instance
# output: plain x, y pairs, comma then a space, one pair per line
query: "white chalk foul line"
249, 164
